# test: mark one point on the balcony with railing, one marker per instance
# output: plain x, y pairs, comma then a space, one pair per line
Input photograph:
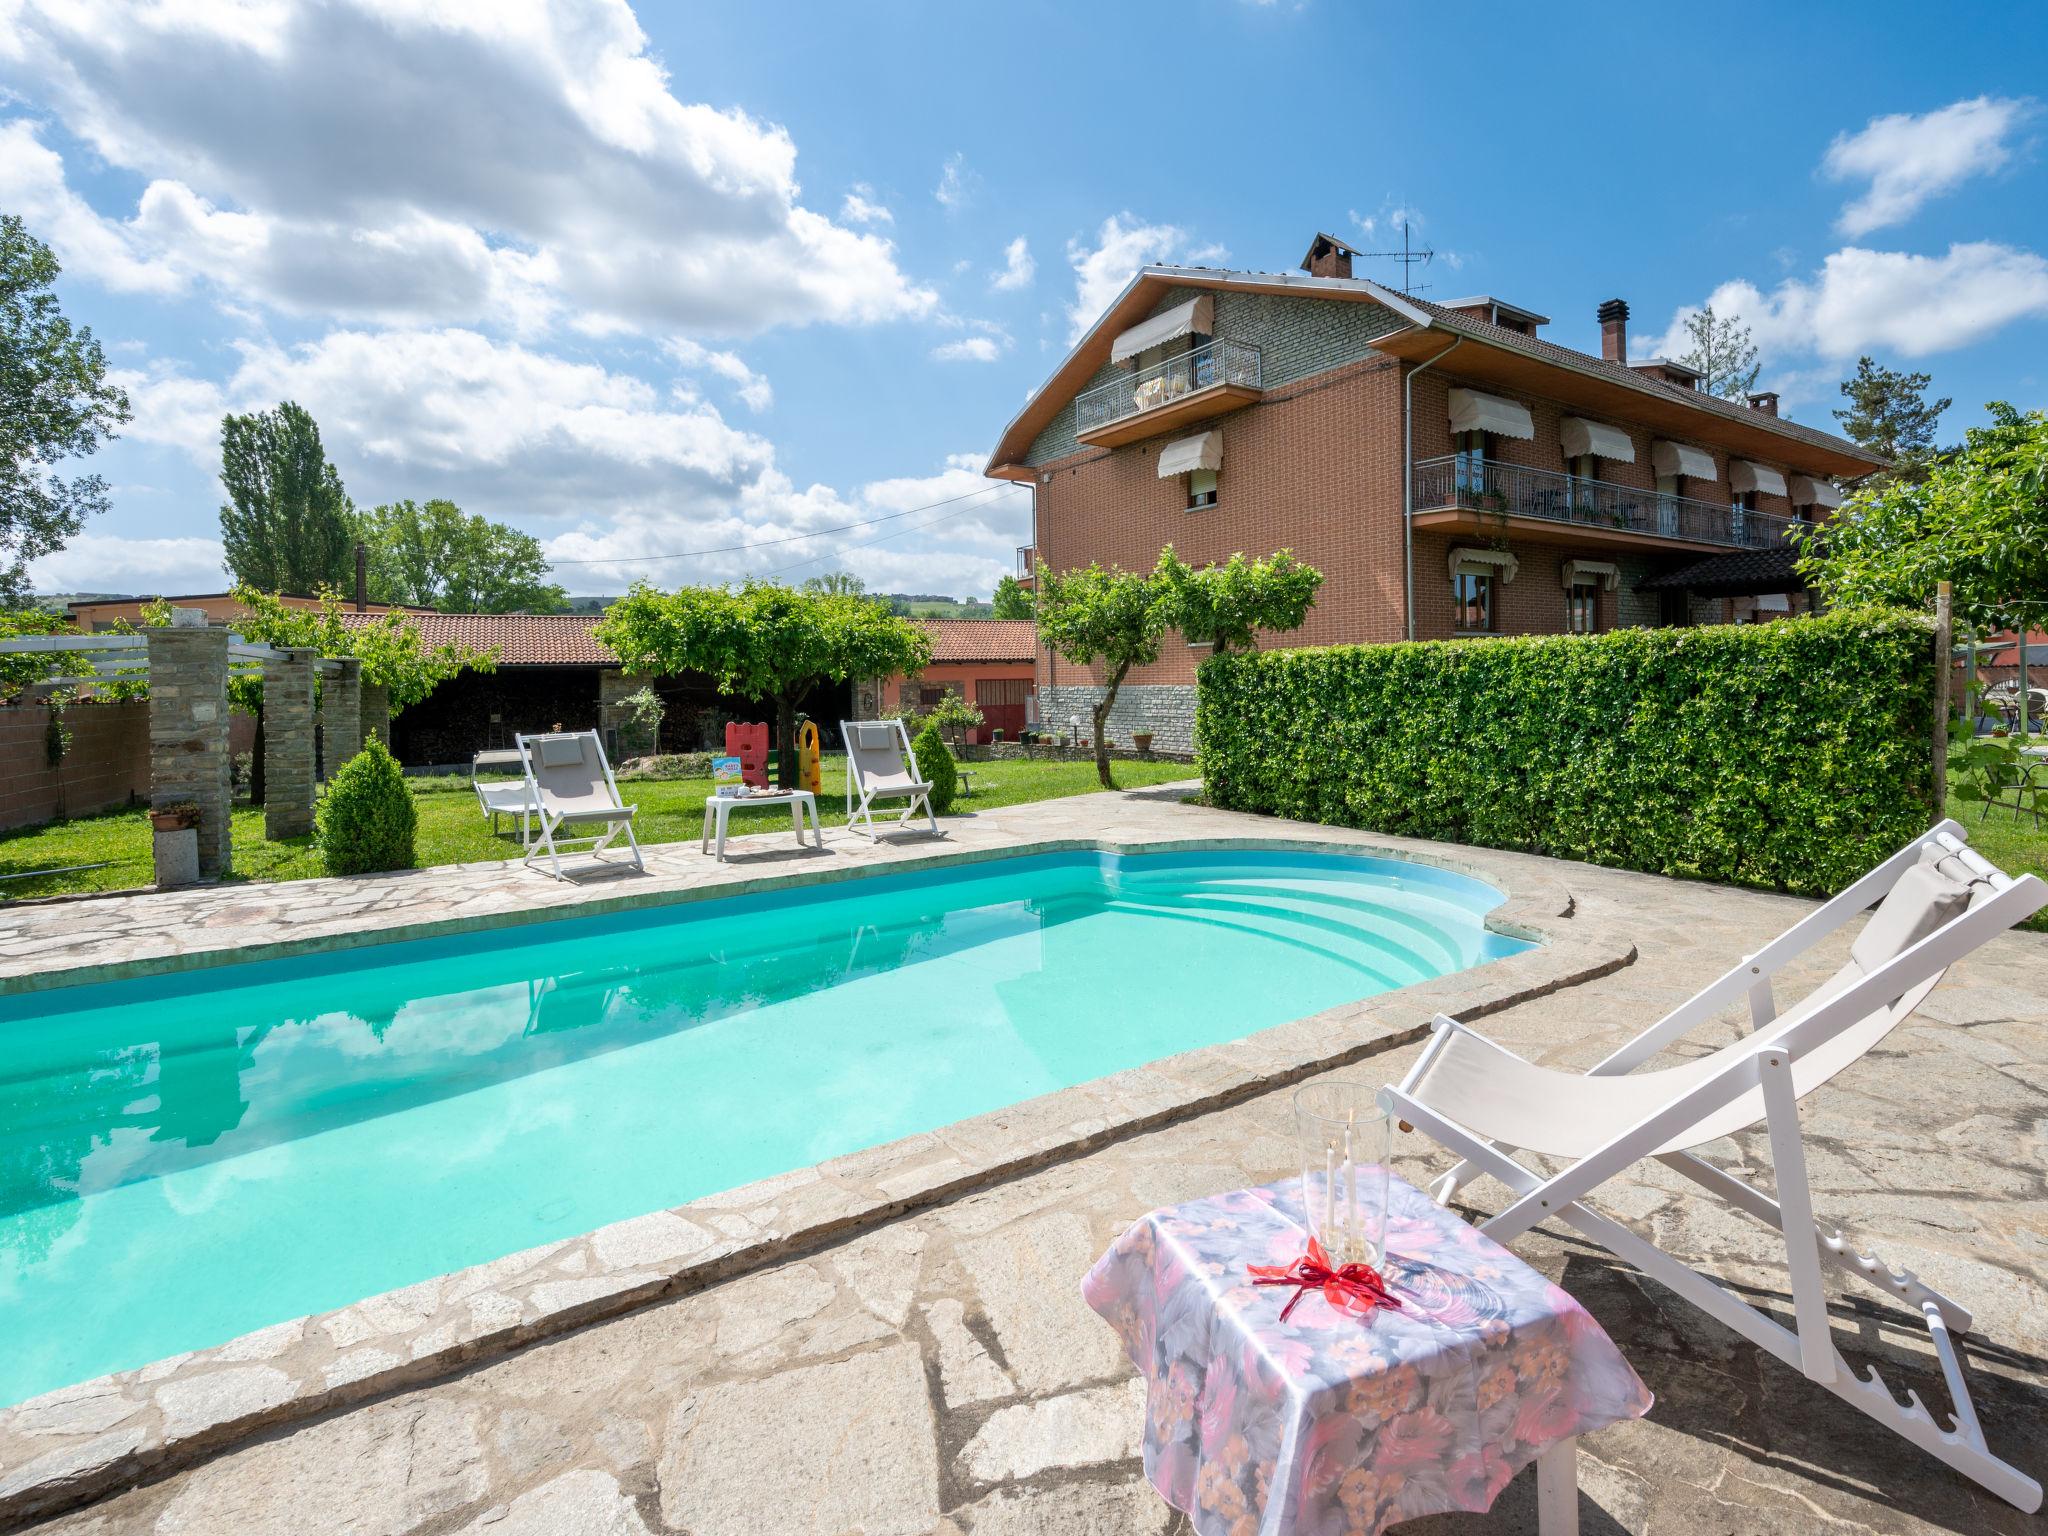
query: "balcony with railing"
1027, 562
1539, 500
1206, 381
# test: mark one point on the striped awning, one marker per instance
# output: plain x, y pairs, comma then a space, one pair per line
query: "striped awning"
1815, 491
1683, 459
1743, 475
1580, 436
1468, 559
1586, 573
1473, 412
1194, 318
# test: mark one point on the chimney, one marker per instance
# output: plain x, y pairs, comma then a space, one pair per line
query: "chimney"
1765, 401
362, 577
1614, 331
1327, 258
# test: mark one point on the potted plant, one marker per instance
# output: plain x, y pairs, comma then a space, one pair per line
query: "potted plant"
1142, 740
175, 843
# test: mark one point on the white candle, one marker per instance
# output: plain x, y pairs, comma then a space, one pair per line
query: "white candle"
1329, 1187
1351, 1196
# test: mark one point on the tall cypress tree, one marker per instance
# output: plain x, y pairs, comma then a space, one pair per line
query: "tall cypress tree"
287, 525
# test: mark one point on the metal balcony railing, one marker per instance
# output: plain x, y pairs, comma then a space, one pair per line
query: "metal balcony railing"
1509, 490
1204, 367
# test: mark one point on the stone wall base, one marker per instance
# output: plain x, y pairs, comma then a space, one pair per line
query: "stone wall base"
1167, 710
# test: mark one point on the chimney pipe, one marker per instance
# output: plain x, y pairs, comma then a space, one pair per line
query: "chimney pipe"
362, 577
1327, 258
1765, 401
1614, 331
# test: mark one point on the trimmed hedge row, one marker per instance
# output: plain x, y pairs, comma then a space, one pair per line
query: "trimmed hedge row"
1794, 754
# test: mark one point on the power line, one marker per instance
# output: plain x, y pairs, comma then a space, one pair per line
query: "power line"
881, 539
795, 538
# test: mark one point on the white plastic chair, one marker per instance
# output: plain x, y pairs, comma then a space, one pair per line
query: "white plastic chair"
571, 783
503, 799
880, 765
1940, 901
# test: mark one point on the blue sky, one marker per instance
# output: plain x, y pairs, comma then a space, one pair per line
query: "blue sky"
682, 278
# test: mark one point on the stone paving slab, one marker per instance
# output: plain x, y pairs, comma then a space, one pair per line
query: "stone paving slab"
657, 1420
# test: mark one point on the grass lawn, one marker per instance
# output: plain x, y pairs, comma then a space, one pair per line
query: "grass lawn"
453, 831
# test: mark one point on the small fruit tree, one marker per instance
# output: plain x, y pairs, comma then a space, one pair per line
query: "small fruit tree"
1117, 618
763, 641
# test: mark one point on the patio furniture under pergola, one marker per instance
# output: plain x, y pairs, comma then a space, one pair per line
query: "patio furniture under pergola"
188, 666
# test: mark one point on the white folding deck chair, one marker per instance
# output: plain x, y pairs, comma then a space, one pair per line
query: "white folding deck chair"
1940, 901
880, 765
502, 799
570, 781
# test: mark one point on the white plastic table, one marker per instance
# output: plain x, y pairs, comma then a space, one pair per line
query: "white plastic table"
719, 808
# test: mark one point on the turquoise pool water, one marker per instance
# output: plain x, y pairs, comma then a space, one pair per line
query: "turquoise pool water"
186, 1158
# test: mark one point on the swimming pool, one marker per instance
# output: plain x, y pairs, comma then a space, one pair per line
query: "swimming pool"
188, 1157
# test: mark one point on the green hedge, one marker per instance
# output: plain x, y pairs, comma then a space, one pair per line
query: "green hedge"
1793, 754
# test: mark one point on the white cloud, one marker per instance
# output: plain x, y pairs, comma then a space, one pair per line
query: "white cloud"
95, 562
863, 207
1018, 268
750, 386
1909, 158
1122, 246
1893, 301
969, 349
957, 183
501, 165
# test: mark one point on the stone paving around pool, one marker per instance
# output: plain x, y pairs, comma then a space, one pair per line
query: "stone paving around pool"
938, 1373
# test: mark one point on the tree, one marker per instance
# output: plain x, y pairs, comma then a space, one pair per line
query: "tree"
287, 525
1978, 520
837, 584
393, 655
1013, 599
438, 556
763, 641
1722, 352
55, 403
1889, 413
1227, 605
1114, 617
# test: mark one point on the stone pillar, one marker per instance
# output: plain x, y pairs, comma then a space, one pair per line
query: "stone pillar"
376, 714
189, 761
341, 714
613, 685
288, 779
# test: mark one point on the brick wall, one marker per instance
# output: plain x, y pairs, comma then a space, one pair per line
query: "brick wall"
106, 767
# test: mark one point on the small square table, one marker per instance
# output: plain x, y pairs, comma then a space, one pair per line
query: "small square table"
1339, 1422
718, 808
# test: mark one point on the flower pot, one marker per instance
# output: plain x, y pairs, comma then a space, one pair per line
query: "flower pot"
174, 821
1142, 740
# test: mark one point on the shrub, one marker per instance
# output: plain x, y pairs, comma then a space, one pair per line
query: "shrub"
1793, 754
935, 763
669, 765
368, 818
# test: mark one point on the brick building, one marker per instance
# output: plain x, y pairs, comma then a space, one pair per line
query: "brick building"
992, 663
1448, 470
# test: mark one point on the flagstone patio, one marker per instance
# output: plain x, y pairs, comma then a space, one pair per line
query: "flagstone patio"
938, 1373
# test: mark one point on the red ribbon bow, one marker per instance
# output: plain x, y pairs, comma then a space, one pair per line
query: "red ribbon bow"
1349, 1287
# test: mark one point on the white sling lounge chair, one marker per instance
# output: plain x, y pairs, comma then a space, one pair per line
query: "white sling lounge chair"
1940, 901
880, 765
570, 781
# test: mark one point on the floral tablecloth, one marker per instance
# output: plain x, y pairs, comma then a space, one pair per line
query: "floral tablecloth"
1335, 1423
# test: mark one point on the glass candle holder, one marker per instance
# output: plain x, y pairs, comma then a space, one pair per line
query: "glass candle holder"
1345, 1138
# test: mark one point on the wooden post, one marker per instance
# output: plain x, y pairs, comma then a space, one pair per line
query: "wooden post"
1944, 677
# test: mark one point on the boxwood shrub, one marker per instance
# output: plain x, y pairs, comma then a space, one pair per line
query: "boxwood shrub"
367, 817
935, 762
1793, 754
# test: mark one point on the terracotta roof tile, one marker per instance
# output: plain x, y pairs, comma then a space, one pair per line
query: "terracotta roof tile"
522, 639
966, 640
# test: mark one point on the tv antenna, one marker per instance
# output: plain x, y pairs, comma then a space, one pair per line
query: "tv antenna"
1409, 257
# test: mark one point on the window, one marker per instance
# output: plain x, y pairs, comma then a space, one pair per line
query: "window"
1582, 608
929, 697
1472, 601
1201, 489
1471, 460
